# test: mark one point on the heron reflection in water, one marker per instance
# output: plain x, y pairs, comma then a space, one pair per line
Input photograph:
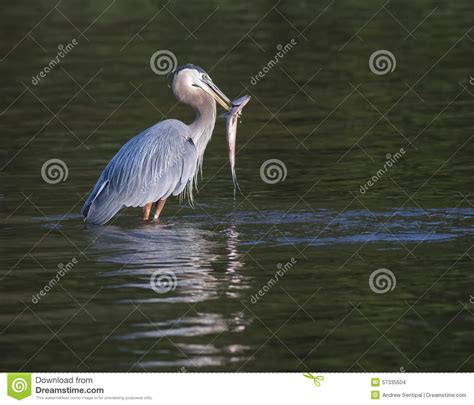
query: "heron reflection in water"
142, 251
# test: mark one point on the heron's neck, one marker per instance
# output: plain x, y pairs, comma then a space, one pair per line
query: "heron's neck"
202, 127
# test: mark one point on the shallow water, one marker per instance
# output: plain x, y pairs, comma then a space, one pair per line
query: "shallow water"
320, 111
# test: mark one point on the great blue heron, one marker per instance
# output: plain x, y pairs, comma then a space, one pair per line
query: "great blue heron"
164, 159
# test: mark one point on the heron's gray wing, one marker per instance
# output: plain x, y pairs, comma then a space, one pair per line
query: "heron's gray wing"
158, 162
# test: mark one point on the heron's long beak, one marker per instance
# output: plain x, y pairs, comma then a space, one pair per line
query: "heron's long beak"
217, 94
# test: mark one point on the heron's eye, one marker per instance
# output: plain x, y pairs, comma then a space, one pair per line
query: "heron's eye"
206, 77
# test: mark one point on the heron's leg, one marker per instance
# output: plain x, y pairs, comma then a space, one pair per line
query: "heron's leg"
160, 204
146, 211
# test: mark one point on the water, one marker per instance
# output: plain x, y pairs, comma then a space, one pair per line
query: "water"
319, 110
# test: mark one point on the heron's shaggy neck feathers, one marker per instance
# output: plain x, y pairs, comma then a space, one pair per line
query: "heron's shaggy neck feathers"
202, 127
200, 132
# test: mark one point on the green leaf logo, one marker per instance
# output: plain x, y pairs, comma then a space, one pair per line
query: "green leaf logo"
19, 385
316, 379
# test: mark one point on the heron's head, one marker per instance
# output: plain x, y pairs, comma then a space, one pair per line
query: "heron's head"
193, 86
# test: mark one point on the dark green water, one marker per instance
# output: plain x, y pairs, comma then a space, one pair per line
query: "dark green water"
321, 111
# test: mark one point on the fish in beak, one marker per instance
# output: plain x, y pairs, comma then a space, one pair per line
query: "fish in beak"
210, 88
233, 112
231, 131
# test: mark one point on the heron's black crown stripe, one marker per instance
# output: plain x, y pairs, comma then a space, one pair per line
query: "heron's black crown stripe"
189, 66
